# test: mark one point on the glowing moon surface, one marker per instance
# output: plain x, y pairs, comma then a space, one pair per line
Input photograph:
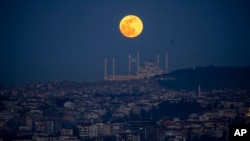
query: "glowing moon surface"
131, 26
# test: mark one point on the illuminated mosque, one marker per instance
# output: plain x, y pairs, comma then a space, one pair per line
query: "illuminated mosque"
149, 69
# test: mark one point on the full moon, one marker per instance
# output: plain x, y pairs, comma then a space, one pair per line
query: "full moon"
131, 26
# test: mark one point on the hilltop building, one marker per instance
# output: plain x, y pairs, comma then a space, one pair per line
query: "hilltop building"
149, 69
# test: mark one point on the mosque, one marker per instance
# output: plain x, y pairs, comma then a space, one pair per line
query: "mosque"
149, 69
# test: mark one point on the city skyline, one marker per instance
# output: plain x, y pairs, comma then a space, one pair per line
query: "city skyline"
62, 40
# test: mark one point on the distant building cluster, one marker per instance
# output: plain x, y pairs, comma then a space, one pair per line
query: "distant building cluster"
149, 69
137, 110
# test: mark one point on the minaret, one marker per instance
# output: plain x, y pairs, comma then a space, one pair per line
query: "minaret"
199, 91
166, 62
129, 63
158, 60
113, 68
138, 61
105, 68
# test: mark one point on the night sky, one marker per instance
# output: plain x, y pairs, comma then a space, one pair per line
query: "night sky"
43, 40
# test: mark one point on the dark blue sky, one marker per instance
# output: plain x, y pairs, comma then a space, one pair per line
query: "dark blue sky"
42, 40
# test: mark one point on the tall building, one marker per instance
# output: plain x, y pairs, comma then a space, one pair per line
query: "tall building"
54, 126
